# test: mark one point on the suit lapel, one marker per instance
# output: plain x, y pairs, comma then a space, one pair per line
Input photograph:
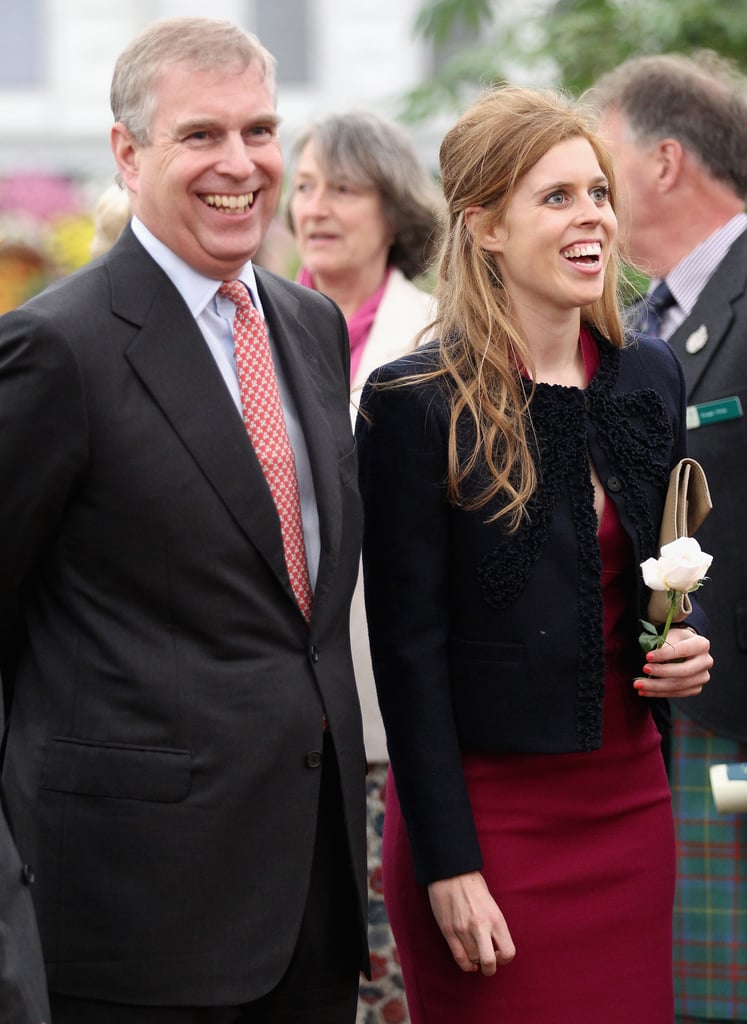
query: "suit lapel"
171, 358
698, 339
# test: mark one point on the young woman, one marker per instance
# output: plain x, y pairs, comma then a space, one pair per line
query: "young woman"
513, 475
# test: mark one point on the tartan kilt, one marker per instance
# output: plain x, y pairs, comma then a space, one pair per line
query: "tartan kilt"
710, 910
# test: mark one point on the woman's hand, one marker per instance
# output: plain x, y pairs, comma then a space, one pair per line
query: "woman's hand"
471, 922
679, 668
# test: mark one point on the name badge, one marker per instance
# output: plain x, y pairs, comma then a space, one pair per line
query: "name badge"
706, 413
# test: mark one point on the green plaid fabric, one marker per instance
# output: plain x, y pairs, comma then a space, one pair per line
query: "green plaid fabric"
710, 912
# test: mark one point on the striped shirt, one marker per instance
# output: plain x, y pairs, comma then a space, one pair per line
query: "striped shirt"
688, 279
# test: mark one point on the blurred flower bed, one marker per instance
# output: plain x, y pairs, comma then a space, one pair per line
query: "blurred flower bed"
46, 230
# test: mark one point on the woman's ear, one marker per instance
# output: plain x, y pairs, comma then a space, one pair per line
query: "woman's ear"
486, 230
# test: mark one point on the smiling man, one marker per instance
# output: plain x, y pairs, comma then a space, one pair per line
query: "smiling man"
180, 530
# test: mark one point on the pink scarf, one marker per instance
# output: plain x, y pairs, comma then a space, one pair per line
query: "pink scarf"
360, 323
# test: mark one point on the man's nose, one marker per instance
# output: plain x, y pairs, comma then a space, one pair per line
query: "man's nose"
236, 157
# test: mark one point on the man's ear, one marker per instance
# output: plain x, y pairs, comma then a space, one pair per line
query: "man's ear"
126, 152
669, 157
486, 230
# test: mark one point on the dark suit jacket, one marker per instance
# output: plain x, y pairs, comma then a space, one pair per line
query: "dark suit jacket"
162, 766
719, 370
483, 640
23, 986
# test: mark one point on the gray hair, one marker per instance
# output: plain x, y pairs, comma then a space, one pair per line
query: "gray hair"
371, 151
700, 100
201, 43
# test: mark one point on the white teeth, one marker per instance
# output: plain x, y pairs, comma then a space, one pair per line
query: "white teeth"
238, 203
576, 251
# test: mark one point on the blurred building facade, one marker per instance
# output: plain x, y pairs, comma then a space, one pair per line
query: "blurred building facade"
56, 60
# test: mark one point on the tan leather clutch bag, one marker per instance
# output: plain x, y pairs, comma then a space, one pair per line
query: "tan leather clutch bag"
687, 504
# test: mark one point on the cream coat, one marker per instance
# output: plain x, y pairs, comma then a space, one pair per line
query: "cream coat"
403, 312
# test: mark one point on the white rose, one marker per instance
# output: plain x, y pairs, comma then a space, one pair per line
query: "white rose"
681, 567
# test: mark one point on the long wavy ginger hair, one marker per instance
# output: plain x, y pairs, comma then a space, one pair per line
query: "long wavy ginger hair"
495, 142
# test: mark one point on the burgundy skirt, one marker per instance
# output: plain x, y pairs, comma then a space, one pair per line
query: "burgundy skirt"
578, 853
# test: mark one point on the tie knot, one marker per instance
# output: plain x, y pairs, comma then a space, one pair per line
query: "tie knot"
237, 292
660, 298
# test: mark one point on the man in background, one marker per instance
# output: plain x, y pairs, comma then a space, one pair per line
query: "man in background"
677, 127
180, 524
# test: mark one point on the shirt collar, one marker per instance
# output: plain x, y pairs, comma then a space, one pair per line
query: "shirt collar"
688, 279
196, 289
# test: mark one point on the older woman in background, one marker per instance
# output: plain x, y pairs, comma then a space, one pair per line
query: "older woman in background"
364, 211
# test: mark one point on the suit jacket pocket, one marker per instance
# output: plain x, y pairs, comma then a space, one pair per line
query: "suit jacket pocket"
119, 771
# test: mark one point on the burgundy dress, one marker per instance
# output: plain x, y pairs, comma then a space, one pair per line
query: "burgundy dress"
578, 853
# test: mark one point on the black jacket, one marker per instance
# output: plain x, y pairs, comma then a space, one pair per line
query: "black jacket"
487, 641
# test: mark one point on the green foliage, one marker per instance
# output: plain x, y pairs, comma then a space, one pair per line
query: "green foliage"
438, 19
568, 44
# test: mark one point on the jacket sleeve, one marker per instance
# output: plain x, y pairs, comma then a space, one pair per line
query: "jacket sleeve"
42, 440
402, 439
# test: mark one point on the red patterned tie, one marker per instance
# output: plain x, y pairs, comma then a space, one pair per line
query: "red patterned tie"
264, 420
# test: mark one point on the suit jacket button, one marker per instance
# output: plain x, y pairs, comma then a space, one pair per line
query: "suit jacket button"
313, 759
314, 654
27, 874
614, 485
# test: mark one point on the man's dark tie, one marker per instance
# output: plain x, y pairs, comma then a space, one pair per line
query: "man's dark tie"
652, 308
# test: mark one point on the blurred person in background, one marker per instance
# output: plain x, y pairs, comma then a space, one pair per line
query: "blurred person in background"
110, 214
364, 211
678, 130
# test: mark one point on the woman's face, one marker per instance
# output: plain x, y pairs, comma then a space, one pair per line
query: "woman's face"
554, 243
340, 225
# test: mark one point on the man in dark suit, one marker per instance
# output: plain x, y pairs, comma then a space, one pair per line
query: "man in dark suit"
678, 130
185, 768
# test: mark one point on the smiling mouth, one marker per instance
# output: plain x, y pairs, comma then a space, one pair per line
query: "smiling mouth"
588, 254
229, 203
